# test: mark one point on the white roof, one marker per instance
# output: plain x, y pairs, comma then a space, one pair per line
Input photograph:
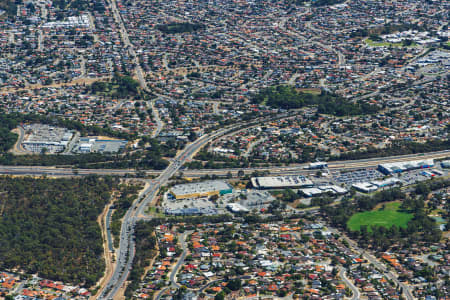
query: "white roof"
311, 191
404, 165
236, 207
281, 181
200, 187
365, 186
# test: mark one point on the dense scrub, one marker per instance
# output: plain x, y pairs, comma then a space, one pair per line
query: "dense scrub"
49, 226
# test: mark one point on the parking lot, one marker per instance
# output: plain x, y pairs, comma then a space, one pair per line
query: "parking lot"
415, 176
353, 177
189, 206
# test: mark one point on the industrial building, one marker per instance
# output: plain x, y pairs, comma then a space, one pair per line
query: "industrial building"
201, 189
40, 138
292, 181
399, 167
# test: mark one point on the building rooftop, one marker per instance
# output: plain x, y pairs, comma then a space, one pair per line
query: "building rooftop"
281, 181
406, 165
200, 187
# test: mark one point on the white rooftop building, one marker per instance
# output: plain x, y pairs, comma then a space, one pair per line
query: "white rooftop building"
293, 181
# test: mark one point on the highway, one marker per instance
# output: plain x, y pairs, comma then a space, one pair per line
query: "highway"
282, 170
126, 251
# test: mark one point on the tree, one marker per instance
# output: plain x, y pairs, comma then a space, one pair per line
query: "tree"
234, 284
220, 296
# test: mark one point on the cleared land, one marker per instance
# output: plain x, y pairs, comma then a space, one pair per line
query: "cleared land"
390, 215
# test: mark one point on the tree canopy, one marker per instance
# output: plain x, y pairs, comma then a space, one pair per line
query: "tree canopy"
287, 97
49, 226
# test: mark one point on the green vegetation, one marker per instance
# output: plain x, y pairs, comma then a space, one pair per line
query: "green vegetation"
128, 193
374, 32
149, 159
287, 97
384, 233
318, 3
7, 138
172, 28
49, 226
11, 121
386, 217
9, 6
396, 148
145, 250
405, 43
119, 87
315, 3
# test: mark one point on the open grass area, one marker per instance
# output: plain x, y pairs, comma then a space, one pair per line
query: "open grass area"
386, 217
386, 44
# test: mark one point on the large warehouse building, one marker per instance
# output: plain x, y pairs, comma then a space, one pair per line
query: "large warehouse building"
294, 181
201, 189
399, 167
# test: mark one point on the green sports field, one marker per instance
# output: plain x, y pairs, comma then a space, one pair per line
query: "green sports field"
386, 218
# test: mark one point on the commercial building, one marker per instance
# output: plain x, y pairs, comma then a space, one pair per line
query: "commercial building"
92, 144
365, 187
445, 164
293, 181
40, 138
386, 182
372, 186
399, 167
316, 191
201, 189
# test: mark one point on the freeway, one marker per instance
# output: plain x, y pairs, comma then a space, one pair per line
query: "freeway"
282, 170
126, 251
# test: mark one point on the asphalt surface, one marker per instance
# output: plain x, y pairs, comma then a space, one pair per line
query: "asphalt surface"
173, 274
108, 230
293, 168
381, 266
126, 251
355, 291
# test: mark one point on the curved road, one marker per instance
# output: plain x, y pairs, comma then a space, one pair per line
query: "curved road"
355, 291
